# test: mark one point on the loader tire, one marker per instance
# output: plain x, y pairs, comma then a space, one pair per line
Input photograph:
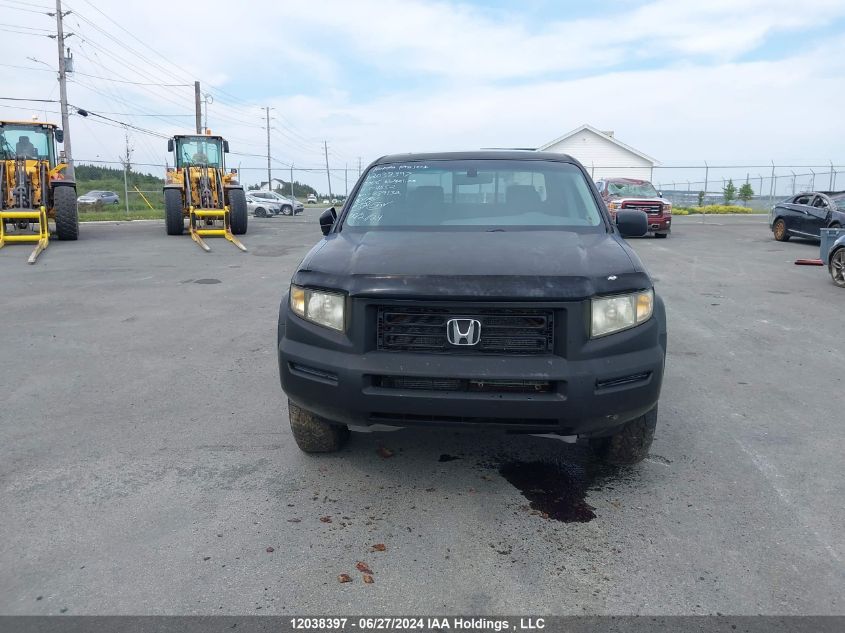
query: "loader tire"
67, 217
238, 211
173, 218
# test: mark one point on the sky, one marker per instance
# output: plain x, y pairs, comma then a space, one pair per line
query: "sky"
730, 82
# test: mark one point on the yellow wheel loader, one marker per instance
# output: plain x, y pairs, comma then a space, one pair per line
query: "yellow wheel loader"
198, 188
33, 186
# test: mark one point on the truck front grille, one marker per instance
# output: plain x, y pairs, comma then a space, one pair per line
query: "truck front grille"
503, 330
651, 208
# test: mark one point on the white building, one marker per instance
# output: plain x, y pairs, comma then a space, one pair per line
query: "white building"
602, 154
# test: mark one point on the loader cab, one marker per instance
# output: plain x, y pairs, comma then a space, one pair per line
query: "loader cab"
195, 150
31, 141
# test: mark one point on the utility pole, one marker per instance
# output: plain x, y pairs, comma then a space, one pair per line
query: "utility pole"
359, 167
269, 174
60, 39
291, 183
346, 178
127, 164
328, 173
198, 106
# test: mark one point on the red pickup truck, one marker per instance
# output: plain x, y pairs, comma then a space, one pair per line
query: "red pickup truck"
630, 193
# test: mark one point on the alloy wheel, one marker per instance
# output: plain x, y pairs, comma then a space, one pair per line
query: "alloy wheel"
837, 267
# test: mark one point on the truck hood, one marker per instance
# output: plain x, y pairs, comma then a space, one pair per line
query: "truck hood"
552, 265
635, 199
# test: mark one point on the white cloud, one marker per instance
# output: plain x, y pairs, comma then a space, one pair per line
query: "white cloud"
485, 78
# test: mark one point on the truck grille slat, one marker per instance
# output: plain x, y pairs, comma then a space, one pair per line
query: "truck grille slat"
470, 385
503, 330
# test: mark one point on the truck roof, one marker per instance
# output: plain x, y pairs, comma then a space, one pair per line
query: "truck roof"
478, 155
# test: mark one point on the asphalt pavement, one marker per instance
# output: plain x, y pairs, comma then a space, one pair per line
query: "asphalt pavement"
147, 466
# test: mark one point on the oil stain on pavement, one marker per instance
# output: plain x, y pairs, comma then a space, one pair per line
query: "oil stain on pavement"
556, 491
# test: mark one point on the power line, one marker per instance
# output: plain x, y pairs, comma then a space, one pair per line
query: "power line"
37, 100
24, 32
13, 8
3, 105
123, 123
29, 28
31, 5
294, 134
108, 70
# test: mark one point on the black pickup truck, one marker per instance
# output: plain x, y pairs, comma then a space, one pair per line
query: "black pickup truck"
484, 290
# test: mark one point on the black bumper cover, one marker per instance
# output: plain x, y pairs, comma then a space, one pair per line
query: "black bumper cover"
591, 396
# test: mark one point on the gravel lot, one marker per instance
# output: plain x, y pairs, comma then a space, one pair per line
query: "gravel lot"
146, 464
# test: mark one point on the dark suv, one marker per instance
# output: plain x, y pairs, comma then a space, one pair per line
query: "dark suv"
485, 290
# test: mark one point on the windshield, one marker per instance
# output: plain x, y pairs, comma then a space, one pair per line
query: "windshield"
199, 151
839, 201
636, 189
25, 141
474, 193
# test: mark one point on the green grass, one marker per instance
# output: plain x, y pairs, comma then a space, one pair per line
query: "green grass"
120, 214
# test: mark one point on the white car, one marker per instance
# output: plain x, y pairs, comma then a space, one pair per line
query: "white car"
312, 198
287, 206
261, 208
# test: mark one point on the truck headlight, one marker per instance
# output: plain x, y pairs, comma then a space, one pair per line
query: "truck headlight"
620, 312
318, 306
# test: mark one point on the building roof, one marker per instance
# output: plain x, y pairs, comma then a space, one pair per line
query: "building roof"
604, 135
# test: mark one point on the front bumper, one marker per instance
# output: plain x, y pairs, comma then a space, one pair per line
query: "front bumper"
659, 223
588, 396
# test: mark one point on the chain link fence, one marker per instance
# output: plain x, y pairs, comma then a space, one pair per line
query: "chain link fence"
688, 186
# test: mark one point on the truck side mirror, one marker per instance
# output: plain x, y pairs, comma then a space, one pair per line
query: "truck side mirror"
327, 220
60, 136
226, 147
170, 145
632, 223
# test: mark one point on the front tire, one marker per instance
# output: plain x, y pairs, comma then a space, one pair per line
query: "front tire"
779, 231
631, 444
661, 235
238, 216
287, 210
313, 434
174, 220
837, 267
67, 216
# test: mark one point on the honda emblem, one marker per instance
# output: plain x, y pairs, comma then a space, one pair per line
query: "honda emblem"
463, 331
